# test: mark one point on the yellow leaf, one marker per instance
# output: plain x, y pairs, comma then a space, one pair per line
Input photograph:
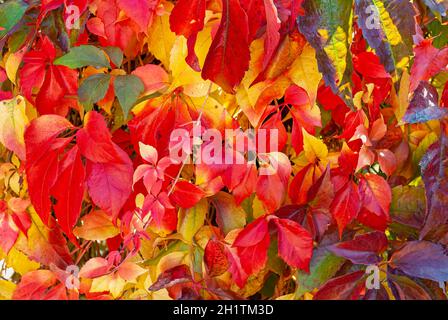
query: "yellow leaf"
161, 39
110, 282
182, 74
191, 220
97, 225
171, 260
247, 94
20, 262
6, 289
13, 121
12, 64
286, 297
257, 208
400, 101
313, 147
305, 73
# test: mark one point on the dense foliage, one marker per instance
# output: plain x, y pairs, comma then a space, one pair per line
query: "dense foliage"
92, 205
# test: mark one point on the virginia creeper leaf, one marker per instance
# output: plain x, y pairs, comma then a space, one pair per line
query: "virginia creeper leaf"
252, 243
11, 12
363, 249
229, 44
422, 259
295, 244
128, 88
93, 89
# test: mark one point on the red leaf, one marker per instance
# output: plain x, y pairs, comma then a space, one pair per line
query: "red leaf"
252, 243
295, 244
186, 194
387, 161
69, 192
59, 83
238, 274
113, 30
278, 132
346, 287
187, 17
363, 249
301, 184
272, 31
368, 65
36, 285
94, 268
19, 215
109, 169
428, 62
273, 180
95, 141
54, 83
43, 148
110, 184
230, 44
346, 205
140, 11
8, 232
376, 197
154, 77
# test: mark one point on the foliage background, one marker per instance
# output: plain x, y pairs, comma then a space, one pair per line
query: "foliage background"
85, 119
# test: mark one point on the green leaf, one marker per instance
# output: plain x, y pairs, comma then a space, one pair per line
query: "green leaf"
93, 89
82, 56
191, 220
11, 13
323, 267
440, 33
115, 54
128, 88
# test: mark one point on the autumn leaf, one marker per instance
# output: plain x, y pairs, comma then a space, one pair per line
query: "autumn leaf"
295, 244
413, 259
346, 205
186, 194
54, 83
252, 243
13, 120
223, 149
97, 225
108, 167
231, 40
363, 249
